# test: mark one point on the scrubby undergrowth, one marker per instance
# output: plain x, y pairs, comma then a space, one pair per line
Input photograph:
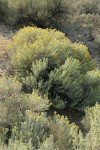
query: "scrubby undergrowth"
79, 20
48, 70
46, 60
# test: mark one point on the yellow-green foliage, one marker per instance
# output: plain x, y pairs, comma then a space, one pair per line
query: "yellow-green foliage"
47, 60
61, 130
48, 144
13, 145
33, 102
92, 116
14, 107
33, 129
38, 73
13, 103
65, 83
37, 131
92, 123
92, 87
3, 112
30, 44
8, 87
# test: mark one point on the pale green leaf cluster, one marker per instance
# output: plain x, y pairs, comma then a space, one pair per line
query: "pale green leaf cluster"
47, 61
92, 139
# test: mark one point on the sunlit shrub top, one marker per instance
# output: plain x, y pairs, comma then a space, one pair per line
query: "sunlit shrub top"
30, 44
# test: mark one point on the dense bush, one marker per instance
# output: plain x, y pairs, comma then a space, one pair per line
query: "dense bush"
36, 131
51, 70
88, 7
62, 132
92, 139
83, 24
46, 12
48, 61
92, 87
14, 103
3, 9
80, 20
9, 87
33, 129
31, 44
65, 83
43, 13
16, 145
9, 90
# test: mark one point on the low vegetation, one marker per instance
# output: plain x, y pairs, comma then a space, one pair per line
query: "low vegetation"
47, 61
46, 79
80, 20
48, 70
